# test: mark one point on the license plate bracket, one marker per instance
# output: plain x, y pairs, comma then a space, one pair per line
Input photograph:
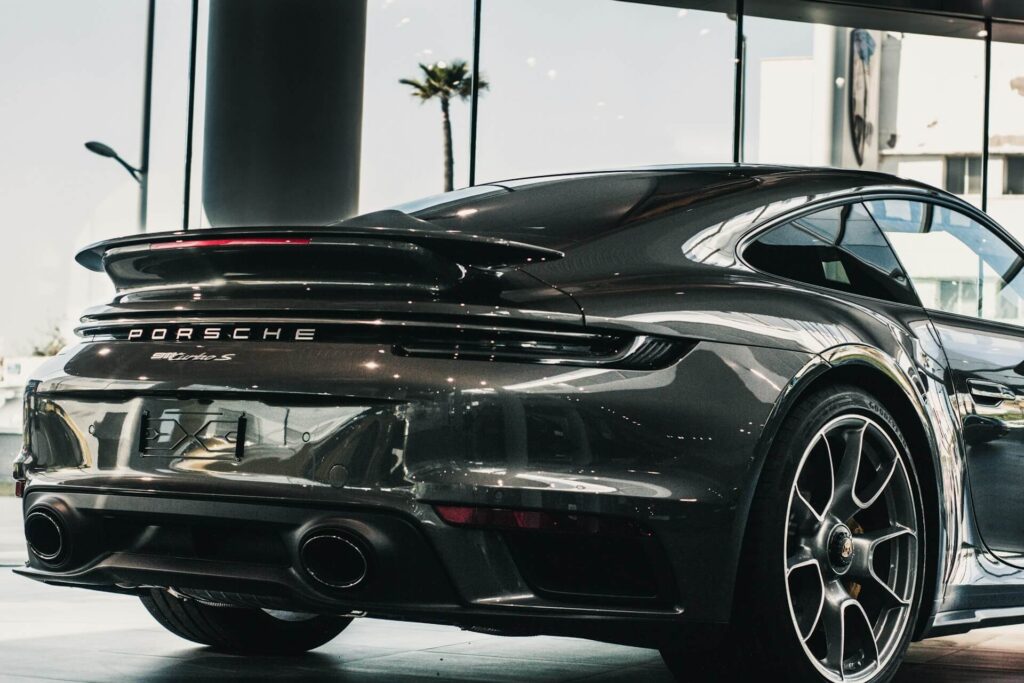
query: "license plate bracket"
200, 434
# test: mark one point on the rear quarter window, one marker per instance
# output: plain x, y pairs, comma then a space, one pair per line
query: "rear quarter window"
838, 248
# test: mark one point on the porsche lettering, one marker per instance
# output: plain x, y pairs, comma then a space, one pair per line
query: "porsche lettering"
221, 333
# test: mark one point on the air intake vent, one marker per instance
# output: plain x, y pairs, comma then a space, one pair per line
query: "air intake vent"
652, 353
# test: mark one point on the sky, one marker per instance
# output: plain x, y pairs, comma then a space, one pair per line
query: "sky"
71, 72
575, 84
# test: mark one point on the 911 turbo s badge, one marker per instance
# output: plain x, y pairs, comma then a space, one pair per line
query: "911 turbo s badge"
175, 356
222, 333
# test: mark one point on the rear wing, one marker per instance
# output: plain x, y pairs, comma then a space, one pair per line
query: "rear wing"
379, 244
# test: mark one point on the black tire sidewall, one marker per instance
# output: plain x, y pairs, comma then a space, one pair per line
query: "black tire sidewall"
240, 630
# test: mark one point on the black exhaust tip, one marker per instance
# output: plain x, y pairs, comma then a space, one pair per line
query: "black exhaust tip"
46, 537
333, 560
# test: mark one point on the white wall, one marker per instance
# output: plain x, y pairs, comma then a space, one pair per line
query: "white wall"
787, 113
926, 169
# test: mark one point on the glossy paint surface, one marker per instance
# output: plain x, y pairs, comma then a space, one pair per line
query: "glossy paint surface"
353, 425
985, 362
622, 443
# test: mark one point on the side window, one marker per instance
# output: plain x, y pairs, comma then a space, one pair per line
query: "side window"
957, 265
839, 248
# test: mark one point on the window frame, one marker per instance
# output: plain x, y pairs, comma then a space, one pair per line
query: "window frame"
930, 198
987, 223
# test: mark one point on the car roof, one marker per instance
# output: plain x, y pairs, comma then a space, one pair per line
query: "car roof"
565, 210
710, 170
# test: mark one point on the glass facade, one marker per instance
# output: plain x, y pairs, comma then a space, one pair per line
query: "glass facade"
585, 84
402, 156
1005, 199
569, 85
66, 81
868, 98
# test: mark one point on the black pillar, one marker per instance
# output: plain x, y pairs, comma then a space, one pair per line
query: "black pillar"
284, 100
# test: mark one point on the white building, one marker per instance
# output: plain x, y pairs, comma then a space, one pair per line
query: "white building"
923, 102
925, 108
14, 374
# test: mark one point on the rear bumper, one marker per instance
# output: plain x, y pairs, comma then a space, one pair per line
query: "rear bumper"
246, 553
377, 439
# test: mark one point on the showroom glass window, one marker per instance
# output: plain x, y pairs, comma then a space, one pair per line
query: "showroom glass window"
867, 94
402, 143
957, 265
586, 84
72, 73
839, 248
402, 156
1006, 129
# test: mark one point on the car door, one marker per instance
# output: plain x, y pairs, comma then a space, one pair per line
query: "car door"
968, 275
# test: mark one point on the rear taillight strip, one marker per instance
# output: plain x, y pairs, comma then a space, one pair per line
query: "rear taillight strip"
232, 242
417, 338
638, 353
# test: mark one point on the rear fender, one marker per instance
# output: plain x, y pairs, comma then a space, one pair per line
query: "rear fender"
922, 405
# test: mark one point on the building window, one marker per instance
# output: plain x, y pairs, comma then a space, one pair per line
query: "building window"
963, 174
958, 296
1014, 183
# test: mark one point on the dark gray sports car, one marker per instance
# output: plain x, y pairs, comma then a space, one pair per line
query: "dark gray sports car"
752, 416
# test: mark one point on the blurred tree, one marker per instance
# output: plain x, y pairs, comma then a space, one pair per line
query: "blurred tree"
444, 82
51, 343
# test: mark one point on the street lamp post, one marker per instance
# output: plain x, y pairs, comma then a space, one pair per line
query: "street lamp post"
141, 174
107, 151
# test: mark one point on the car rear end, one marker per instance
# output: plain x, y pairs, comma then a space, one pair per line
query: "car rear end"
384, 420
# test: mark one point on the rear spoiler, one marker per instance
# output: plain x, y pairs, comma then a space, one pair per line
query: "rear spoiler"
383, 227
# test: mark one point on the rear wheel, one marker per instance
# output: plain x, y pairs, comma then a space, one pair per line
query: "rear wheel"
830, 581
241, 630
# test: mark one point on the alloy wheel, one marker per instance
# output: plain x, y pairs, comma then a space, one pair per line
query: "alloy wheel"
851, 549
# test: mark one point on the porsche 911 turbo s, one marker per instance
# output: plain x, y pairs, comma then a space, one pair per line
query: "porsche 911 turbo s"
760, 418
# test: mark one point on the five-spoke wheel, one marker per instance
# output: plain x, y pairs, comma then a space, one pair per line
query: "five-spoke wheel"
851, 548
830, 573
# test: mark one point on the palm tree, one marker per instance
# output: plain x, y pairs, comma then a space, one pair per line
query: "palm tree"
444, 82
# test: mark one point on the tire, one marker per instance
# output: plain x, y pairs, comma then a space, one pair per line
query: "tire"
860, 549
240, 630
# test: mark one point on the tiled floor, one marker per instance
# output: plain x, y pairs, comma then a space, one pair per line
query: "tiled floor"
60, 634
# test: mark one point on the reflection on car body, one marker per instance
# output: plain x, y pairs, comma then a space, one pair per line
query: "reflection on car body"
606, 405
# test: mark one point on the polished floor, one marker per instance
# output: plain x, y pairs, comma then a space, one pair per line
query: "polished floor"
60, 634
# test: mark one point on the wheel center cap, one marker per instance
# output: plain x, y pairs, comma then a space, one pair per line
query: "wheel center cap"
840, 548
